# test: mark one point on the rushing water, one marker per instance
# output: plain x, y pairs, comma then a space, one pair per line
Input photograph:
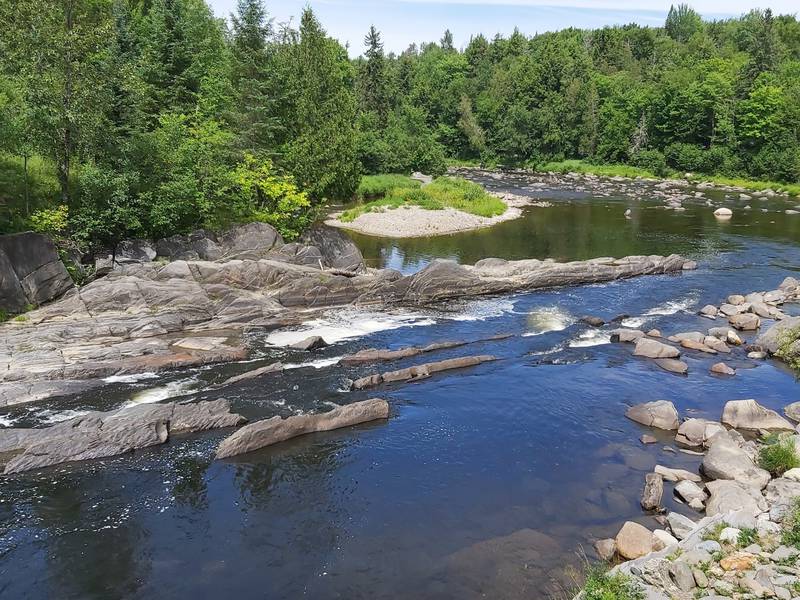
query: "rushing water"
485, 482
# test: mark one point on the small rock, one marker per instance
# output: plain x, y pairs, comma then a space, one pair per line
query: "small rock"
700, 578
709, 311
793, 411
739, 561
760, 355
681, 574
709, 546
721, 368
606, 549
782, 553
314, 342
648, 439
689, 490
673, 365
730, 535
677, 474
680, 525
593, 321
723, 213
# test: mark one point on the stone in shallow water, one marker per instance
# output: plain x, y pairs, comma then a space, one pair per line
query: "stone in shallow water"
696, 433
660, 414
673, 365
261, 434
314, 342
634, 540
650, 348
750, 415
721, 368
653, 490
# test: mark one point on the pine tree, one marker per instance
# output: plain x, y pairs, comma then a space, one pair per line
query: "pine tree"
373, 84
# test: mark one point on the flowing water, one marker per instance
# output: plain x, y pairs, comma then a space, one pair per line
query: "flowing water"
484, 483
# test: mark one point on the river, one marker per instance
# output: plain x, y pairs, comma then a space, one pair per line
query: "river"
489, 482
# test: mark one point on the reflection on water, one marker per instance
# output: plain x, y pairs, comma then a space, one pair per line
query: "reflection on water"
484, 482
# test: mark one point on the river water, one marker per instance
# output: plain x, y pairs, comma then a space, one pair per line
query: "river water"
485, 483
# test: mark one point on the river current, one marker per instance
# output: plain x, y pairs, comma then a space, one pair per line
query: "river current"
490, 482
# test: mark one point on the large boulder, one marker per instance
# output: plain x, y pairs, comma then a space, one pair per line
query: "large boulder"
750, 415
252, 240
727, 496
650, 348
261, 434
745, 321
725, 459
660, 414
337, 249
776, 335
31, 271
696, 433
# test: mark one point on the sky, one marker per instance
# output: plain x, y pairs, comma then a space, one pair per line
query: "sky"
402, 22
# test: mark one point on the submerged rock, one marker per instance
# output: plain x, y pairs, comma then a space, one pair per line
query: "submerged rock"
104, 434
420, 371
653, 491
261, 434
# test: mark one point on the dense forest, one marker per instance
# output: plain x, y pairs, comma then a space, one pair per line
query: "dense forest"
151, 117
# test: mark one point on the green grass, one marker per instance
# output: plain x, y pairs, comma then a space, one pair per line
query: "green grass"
778, 455
579, 166
715, 532
793, 189
376, 186
791, 526
786, 351
601, 585
747, 537
444, 192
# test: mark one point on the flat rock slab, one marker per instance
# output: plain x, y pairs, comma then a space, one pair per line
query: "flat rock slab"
421, 371
650, 348
750, 415
104, 434
272, 431
252, 374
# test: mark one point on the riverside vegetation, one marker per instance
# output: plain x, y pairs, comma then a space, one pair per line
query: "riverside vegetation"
124, 118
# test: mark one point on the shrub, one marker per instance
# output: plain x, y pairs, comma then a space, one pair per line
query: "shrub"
747, 536
686, 157
778, 455
377, 186
651, 160
791, 525
789, 347
601, 585
782, 164
51, 221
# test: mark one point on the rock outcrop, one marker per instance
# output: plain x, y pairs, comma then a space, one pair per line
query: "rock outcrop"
422, 371
104, 434
267, 432
31, 272
750, 415
128, 321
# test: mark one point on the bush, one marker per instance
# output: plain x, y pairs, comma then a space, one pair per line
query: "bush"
601, 585
377, 186
778, 455
51, 221
791, 526
781, 164
651, 160
686, 157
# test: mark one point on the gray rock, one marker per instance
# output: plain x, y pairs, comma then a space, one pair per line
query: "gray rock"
660, 414
31, 271
745, 321
653, 491
626, 335
314, 342
716, 344
673, 365
726, 460
710, 311
750, 415
780, 495
606, 549
709, 546
696, 433
771, 339
261, 434
730, 496
721, 368
650, 348
337, 248
689, 490
793, 411
104, 434
421, 371
681, 574
676, 474
680, 525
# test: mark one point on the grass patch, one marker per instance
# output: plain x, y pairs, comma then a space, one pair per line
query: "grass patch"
444, 192
793, 189
747, 537
377, 186
778, 455
788, 349
601, 585
579, 166
714, 533
791, 526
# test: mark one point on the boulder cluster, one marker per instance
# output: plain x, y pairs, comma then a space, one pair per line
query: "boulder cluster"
742, 547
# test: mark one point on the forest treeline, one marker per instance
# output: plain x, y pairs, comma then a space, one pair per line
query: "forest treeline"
152, 117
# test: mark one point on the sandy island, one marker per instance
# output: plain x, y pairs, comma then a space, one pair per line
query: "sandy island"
413, 221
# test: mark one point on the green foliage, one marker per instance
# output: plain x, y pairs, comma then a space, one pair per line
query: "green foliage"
778, 455
747, 536
51, 221
788, 349
601, 585
652, 161
374, 186
444, 192
791, 525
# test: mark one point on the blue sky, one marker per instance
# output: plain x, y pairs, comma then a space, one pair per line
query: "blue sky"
405, 21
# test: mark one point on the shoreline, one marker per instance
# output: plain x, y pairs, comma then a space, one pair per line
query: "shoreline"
416, 222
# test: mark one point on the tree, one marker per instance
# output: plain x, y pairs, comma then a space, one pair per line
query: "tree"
447, 41
682, 23
373, 83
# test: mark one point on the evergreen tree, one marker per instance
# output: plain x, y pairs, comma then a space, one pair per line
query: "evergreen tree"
373, 84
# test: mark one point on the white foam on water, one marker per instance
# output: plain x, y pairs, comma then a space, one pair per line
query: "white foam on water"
347, 324
316, 364
670, 307
591, 337
51, 417
6, 421
130, 378
544, 320
553, 350
482, 309
157, 394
